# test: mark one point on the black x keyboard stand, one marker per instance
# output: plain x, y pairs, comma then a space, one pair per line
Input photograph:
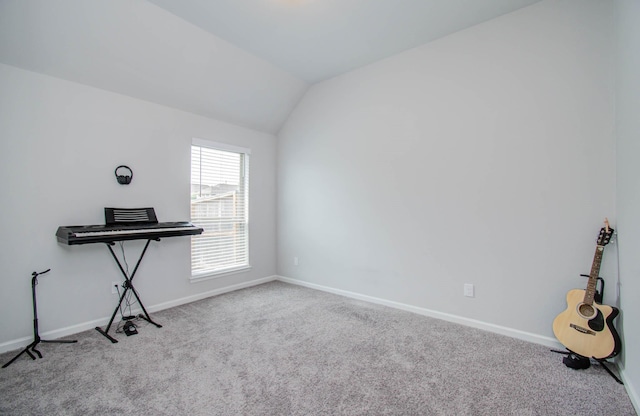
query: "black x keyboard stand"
128, 286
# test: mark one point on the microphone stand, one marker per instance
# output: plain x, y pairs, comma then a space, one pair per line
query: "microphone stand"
36, 335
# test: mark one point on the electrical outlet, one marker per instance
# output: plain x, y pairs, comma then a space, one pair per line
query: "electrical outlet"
468, 290
295, 261
114, 287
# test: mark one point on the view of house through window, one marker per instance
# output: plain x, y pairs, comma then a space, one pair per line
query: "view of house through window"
219, 204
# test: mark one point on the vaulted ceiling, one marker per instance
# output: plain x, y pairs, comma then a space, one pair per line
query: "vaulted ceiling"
318, 39
246, 62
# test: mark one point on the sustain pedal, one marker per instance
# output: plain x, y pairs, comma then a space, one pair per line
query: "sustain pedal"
130, 328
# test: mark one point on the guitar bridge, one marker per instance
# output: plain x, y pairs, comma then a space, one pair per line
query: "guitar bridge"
581, 329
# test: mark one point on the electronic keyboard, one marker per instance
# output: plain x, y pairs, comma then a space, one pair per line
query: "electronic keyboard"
123, 224
87, 234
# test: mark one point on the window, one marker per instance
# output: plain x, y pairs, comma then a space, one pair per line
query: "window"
220, 205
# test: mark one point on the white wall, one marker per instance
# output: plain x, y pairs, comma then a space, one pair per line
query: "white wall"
485, 157
59, 145
628, 189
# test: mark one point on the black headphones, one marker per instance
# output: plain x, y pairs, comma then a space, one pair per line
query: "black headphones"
124, 179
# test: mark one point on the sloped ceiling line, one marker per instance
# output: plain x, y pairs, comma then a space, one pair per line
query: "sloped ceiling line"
245, 62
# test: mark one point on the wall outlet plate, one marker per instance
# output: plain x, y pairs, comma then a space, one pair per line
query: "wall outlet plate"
468, 290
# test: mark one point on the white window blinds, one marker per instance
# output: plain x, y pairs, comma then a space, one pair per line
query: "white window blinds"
219, 204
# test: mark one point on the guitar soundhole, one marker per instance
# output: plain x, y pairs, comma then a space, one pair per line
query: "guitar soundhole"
586, 311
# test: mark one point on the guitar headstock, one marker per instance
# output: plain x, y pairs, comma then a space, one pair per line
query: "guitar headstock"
606, 233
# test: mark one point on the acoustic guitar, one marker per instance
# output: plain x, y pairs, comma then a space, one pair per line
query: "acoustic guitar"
586, 327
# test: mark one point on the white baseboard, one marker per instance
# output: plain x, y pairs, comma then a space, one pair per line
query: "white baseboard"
631, 391
204, 295
54, 334
84, 326
502, 330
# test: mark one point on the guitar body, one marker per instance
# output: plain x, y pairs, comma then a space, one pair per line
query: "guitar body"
595, 337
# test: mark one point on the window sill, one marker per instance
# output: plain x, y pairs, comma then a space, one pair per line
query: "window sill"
221, 273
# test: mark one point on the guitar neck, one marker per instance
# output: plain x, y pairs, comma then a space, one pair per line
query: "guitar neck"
593, 276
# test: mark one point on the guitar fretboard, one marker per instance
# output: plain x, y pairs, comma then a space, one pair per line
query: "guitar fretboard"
590, 292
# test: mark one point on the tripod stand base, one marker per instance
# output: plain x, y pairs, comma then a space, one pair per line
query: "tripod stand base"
603, 363
32, 347
36, 334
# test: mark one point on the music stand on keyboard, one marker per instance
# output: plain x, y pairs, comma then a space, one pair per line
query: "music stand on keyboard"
36, 335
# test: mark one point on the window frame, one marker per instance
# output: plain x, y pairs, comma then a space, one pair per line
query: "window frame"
245, 161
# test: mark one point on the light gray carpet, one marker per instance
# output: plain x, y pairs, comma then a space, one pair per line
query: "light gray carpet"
280, 349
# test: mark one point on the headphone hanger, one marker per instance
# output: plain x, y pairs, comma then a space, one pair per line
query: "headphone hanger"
126, 178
